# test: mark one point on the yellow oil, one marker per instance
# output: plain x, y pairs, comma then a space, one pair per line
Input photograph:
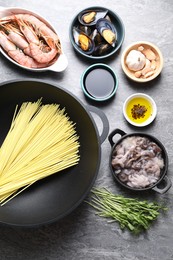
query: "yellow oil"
142, 102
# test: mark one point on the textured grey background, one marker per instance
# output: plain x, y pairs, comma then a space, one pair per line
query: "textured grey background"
82, 234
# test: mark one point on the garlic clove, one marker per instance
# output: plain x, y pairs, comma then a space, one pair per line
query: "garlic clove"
149, 54
140, 48
153, 64
149, 74
138, 74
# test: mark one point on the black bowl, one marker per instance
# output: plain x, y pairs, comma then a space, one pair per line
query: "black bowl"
163, 177
117, 22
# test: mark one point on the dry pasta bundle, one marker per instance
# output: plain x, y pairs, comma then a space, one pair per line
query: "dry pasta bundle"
41, 141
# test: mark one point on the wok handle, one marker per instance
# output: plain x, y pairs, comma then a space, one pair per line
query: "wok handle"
168, 185
113, 133
104, 120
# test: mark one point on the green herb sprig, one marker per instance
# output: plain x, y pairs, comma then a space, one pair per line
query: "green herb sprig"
130, 213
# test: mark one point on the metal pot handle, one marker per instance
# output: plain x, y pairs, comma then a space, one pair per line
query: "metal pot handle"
104, 120
113, 133
168, 185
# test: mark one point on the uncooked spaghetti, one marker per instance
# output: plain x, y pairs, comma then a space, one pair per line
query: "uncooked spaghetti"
41, 141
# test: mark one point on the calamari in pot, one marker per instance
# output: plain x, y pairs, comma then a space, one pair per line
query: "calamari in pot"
138, 162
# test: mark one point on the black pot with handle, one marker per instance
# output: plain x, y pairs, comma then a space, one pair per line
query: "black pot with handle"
163, 184
56, 196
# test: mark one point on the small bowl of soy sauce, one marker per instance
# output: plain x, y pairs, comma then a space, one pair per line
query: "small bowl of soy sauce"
99, 82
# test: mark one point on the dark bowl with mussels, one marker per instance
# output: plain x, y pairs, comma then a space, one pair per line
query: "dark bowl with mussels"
96, 33
139, 161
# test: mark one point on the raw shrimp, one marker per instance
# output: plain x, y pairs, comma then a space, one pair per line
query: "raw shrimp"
34, 48
39, 55
16, 54
28, 32
40, 28
37, 48
17, 38
32, 36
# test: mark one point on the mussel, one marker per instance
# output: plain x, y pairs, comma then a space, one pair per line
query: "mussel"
83, 41
96, 37
107, 30
86, 29
108, 18
90, 17
101, 46
102, 49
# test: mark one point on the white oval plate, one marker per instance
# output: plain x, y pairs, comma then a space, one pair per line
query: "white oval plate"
59, 65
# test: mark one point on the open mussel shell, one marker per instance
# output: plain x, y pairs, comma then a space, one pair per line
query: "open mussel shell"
83, 41
86, 29
102, 49
90, 17
101, 46
107, 30
96, 37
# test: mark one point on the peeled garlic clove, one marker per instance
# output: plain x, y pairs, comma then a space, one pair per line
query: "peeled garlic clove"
149, 54
147, 67
140, 48
147, 64
153, 64
146, 70
149, 74
138, 74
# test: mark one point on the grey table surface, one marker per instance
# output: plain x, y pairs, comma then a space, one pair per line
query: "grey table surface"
82, 234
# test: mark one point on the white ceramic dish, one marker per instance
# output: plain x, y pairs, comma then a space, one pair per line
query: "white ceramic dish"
59, 65
151, 107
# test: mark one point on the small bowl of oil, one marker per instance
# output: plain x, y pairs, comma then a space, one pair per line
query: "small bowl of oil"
139, 109
99, 82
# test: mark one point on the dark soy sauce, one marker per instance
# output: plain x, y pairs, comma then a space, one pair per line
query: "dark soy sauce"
99, 83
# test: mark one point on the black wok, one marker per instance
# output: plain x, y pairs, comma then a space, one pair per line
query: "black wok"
56, 196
